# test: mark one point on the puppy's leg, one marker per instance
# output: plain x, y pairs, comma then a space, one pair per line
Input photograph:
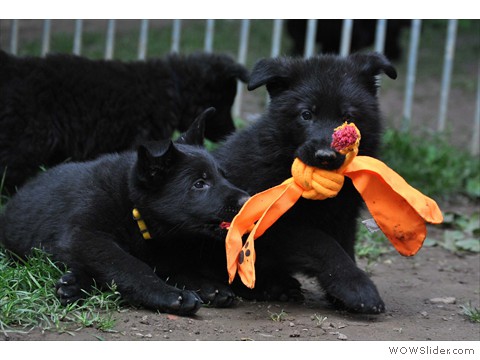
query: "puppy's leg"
321, 256
106, 261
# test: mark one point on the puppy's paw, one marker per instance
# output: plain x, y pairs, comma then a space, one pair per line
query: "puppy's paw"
217, 295
278, 287
68, 289
357, 294
181, 302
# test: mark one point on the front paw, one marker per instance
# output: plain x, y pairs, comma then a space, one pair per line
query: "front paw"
357, 294
217, 295
273, 287
68, 289
181, 302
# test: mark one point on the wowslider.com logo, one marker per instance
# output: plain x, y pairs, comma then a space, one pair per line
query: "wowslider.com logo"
428, 350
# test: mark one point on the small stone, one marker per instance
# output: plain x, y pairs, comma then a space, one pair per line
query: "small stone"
342, 336
443, 300
295, 334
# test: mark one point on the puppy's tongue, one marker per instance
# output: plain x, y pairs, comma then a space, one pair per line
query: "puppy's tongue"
225, 225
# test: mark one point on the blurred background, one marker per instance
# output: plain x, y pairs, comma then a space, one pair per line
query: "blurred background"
435, 97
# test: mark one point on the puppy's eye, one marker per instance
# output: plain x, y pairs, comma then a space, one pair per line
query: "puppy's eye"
200, 184
307, 115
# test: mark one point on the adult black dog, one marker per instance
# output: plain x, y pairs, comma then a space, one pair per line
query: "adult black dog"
309, 98
69, 107
329, 33
81, 214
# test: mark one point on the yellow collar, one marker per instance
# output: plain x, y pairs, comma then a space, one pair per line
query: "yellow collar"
141, 224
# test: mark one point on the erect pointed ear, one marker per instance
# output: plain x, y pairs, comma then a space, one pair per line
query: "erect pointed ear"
196, 132
270, 72
152, 168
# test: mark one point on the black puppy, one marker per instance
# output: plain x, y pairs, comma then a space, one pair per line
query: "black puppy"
69, 107
81, 214
309, 98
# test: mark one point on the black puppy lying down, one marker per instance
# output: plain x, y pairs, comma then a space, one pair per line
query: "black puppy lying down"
81, 214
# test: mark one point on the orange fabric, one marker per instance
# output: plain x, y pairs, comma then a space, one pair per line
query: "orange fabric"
399, 210
263, 209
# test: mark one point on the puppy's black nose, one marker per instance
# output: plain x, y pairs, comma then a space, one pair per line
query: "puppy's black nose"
325, 155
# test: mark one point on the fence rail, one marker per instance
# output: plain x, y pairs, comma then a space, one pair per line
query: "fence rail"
276, 36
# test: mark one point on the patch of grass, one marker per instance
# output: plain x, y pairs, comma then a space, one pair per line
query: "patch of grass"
319, 319
278, 316
28, 300
461, 234
371, 245
471, 312
431, 165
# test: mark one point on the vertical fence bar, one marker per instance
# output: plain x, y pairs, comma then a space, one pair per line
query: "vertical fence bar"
77, 37
242, 59
143, 40
411, 73
47, 25
110, 40
347, 27
380, 35
310, 38
447, 73
176, 30
276, 42
14, 37
475, 149
276, 37
209, 32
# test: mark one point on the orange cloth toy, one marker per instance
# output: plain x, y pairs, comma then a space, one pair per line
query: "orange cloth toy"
399, 210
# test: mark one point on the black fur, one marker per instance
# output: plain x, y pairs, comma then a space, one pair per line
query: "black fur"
309, 98
65, 107
81, 214
329, 31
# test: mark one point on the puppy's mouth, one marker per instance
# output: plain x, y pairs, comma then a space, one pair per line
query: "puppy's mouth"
225, 225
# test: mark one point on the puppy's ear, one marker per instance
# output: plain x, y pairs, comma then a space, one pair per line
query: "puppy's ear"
373, 64
270, 72
153, 168
196, 132
239, 71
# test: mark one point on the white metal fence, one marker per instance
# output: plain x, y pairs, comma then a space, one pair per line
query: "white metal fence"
13, 34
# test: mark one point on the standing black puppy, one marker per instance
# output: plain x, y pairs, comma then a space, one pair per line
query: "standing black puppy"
81, 214
309, 98
65, 107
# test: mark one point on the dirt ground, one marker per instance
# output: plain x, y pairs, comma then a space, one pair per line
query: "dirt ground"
423, 294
